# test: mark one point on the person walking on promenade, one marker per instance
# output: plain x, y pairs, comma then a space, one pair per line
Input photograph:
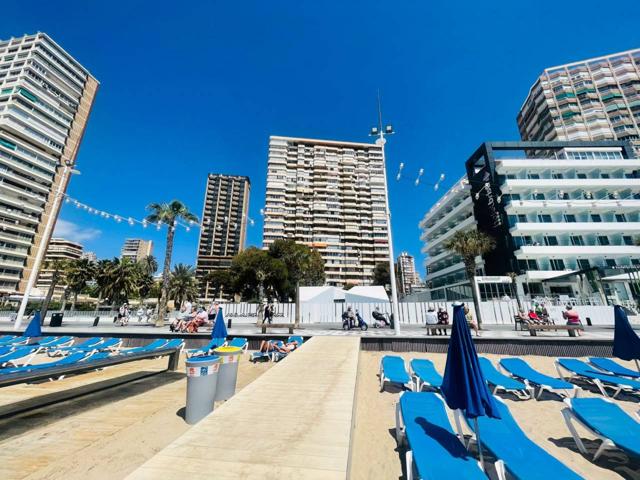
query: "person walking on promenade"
123, 314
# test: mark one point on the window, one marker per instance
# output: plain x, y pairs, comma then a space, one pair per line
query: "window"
522, 218
533, 176
610, 262
557, 264
520, 241
635, 261
627, 240
569, 217
550, 241
577, 240
526, 265
596, 218
604, 175
538, 196
620, 217
582, 175
545, 218
603, 240
583, 264
557, 176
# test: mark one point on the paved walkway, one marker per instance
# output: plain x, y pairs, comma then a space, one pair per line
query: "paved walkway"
292, 422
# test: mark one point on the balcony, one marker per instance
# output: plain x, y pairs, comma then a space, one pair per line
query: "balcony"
543, 251
568, 183
529, 206
575, 227
508, 166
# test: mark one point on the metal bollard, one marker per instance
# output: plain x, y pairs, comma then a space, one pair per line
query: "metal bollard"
202, 379
228, 375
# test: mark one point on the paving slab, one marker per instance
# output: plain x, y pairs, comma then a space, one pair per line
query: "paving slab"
300, 429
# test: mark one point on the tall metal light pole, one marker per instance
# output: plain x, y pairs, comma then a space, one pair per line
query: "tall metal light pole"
381, 141
53, 215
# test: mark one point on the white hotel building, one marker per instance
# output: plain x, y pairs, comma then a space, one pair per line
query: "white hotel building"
45, 100
563, 215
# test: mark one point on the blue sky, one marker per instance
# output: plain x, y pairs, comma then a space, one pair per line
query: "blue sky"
195, 87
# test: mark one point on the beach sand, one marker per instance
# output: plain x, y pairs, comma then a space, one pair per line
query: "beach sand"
104, 435
375, 453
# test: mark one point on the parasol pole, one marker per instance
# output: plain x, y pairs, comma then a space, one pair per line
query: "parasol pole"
637, 364
475, 420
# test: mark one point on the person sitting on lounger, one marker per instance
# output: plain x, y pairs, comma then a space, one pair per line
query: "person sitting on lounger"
572, 317
267, 346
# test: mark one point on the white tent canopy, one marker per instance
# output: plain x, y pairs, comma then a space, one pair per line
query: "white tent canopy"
368, 294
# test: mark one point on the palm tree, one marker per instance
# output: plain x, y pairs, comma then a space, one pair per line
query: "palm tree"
148, 265
58, 270
118, 280
102, 268
81, 271
468, 245
169, 214
182, 284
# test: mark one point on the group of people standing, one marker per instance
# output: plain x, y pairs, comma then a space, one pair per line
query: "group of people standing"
124, 314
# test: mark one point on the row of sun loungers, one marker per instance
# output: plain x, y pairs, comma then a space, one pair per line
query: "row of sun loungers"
434, 450
17, 359
515, 376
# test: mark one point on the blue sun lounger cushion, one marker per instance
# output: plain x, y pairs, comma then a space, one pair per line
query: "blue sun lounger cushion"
612, 367
434, 451
18, 353
599, 379
53, 342
158, 343
521, 369
606, 420
239, 342
196, 352
8, 339
69, 359
88, 344
501, 381
425, 374
523, 458
392, 370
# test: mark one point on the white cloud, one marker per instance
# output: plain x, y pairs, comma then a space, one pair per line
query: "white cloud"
73, 232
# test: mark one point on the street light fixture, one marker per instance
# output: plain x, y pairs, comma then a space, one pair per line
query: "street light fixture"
381, 141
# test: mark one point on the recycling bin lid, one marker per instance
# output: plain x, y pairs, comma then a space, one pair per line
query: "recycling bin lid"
227, 349
206, 358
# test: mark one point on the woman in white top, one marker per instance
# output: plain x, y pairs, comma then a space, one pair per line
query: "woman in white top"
432, 319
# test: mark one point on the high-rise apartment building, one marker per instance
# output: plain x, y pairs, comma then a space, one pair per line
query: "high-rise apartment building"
59, 249
45, 100
91, 256
135, 249
225, 218
559, 217
408, 278
331, 196
595, 99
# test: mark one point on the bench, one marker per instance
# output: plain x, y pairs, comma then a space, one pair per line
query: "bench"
87, 366
438, 327
571, 329
264, 326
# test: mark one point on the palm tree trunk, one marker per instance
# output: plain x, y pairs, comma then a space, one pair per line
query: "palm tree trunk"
47, 299
471, 275
64, 301
75, 299
162, 304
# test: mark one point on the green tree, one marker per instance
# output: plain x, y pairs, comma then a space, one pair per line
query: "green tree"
469, 245
220, 281
118, 280
148, 265
256, 273
80, 272
304, 265
169, 214
102, 278
381, 275
182, 284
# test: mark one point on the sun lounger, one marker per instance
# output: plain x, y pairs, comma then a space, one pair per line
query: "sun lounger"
582, 370
14, 340
239, 342
424, 373
612, 367
9, 359
296, 338
433, 450
501, 381
605, 420
87, 344
519, 368
392, 370
54, 342
197, 352
158, 343
69, 359
515, 452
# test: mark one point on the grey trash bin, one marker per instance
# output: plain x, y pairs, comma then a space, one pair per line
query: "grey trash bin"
229, 360
202, 378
